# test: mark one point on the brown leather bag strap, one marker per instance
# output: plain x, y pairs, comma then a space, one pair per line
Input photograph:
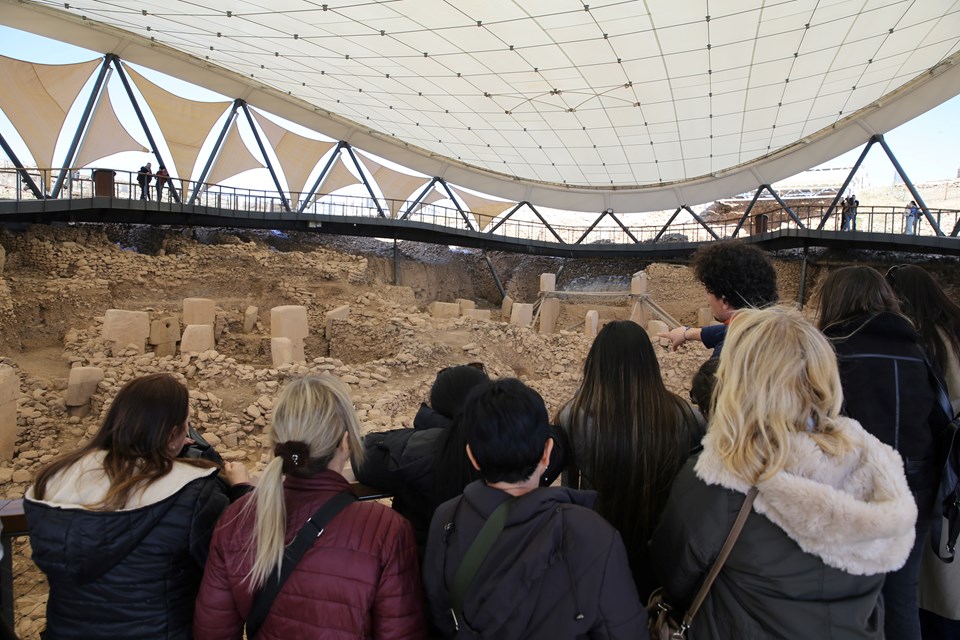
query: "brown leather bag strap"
721, 559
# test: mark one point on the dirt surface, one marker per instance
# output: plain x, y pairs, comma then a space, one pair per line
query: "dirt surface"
56, 284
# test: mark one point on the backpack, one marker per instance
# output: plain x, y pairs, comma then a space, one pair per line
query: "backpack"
946, 528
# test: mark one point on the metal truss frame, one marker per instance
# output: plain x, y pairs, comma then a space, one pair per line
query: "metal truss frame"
363, 177
215, 152
266, 158
305, 198
24, 174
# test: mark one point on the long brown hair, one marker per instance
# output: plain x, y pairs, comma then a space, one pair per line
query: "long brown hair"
854, 292
632, 434
936, 316
136, 436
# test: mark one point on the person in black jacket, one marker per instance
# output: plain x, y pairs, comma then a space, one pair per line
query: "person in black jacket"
833, 512
121, 527
557, 570
888, 388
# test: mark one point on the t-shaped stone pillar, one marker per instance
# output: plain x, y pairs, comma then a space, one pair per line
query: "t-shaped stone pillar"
290, 321
590, 323
9, 392
199, 311
124, 328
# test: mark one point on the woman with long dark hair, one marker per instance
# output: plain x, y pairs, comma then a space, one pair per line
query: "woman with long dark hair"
937, 319
359, 579
629, 437
121, 526
888, 389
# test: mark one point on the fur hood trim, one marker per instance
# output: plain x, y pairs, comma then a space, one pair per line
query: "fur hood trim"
856, 512
85, 483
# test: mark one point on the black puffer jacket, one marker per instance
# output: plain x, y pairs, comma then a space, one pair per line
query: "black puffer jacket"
558, 570
887, 388
125, 574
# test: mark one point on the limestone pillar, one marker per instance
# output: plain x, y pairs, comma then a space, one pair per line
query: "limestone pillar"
639, 313
164, 336
199, 311
290, 321
197, 338
549, 314
591, 323
250, 319
444, 309
705, 317
9, 392
658, 326
81, 386
340, 313
478, 314
506, 308
124, 328
466, 305
548, 282
638, 283
521, 314
281, 351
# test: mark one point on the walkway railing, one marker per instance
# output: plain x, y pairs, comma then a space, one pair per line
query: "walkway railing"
622, 229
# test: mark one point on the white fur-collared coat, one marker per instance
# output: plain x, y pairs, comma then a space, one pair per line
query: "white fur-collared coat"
811, 559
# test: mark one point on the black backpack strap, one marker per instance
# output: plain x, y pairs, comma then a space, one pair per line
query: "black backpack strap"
307, 535
475, 556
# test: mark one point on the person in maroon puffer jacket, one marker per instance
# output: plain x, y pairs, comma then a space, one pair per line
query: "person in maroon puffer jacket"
360, 579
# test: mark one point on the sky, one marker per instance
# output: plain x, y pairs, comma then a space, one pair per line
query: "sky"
928, 147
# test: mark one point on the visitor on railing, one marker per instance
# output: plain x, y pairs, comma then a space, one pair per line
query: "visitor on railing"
849, 212
163, 176
736, 276
889, 389
911, 217
144, 176
512, 560
360, 579
629, 437
121, 527
832, 512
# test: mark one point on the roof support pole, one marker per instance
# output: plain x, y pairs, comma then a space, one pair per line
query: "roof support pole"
323, 173
507, 217
743, 218
143, 122
82, 126
421, 196
624, 227
21, 170
846, 183
702, 222
266, 158
783, 204
215, 152
669, 222
546, 224
910, 187
591, 227
363, 176
496, 278
463, 214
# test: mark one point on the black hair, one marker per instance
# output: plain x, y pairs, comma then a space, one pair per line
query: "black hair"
452, 387
507, 426
702, 385
738, 273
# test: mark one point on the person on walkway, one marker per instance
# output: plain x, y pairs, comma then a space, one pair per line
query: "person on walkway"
736, 276
850, 204
162, 178
555, 570
888, 388
144, 176
629, 437
121, 527
937, 319
833, 512
359, 579
911, 218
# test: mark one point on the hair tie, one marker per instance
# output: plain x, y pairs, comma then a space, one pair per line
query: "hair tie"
295, 454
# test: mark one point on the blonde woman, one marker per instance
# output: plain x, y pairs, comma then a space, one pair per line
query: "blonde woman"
833, 513
360, 577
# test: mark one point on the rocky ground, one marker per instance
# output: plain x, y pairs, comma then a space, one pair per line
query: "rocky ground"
57, 282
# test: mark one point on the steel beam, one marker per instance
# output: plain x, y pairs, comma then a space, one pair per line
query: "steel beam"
421, 196
363, 177
702, 222
323, 172
463, 214
92, 101
624, 227
266, 158
669, 222
776, 196
496, 278
20, 169
545, 223
910, 187
509, 215
590, 228
846, 183
215, 152
756, 196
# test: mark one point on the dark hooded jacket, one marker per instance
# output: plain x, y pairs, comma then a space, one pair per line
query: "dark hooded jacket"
558, 570
132, 573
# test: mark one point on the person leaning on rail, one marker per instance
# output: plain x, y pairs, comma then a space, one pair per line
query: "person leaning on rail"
736, 275
121, 527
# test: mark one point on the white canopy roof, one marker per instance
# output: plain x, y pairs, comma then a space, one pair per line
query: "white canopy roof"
577, 105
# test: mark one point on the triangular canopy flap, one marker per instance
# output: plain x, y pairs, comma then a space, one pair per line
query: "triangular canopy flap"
36, 99
337, 178
185, 123
430, 198
297, 154
234, 158
396, 187
105, 135
482, 208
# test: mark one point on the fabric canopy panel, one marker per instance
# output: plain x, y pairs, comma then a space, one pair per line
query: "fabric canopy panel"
185, 123
36, 99
430, 198
337, 178
396, 187
483, 209
297, 155
105, 135
234, 158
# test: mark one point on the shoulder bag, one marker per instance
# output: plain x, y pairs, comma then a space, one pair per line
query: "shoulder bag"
307, 535
662, 625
